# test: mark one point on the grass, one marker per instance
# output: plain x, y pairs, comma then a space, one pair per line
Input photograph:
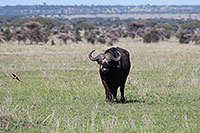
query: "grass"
61, 89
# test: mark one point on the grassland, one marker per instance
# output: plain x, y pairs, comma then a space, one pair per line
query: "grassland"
61, 89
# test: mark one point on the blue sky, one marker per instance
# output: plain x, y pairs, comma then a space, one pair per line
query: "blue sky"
100, 2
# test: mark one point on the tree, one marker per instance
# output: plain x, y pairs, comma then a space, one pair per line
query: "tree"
185, 37
134, 26
65, 37
101, 39
196, 36
85, 26
191, 26
7, 35
90, 36
35, 32
77, 35
20, 35
152, 36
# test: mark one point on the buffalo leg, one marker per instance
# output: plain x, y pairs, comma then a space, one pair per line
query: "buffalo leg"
115, 95
107, 90
122, 93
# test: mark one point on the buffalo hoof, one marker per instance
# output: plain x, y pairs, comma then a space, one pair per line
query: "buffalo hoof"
115, 100
108, 100
122, 100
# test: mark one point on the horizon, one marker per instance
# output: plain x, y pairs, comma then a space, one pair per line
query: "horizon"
98, 2
93, 5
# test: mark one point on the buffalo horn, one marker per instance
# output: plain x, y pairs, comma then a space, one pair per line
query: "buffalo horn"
93, 58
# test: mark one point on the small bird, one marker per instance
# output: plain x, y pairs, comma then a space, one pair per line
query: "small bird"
15, 76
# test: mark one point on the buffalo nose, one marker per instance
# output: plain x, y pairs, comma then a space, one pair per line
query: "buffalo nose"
105, 70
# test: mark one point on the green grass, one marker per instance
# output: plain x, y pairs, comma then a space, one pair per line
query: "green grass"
61, 89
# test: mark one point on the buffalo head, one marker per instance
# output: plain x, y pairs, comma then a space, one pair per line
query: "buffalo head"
105, 60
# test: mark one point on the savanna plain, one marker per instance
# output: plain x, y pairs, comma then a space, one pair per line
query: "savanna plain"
61, 90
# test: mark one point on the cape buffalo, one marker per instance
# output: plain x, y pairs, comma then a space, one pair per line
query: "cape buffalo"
114, 67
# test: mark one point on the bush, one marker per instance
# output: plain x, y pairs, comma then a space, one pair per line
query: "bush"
52, 42
101, 40
183, 38
150, 37
110, 43
85, 26
132, 35
77, 36
91, 39
190, 26
7, 34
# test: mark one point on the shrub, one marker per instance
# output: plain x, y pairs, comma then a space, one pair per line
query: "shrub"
52, 42
150, 37
101, 39
85, 26
7, 34
110, 43
184, 38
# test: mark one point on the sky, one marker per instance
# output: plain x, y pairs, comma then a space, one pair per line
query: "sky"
99, 2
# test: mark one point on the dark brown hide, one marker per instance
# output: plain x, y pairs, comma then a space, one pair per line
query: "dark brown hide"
114, 67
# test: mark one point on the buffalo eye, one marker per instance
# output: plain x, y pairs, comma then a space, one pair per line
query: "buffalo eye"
99, 61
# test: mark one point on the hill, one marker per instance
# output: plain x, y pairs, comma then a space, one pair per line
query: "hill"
117, 11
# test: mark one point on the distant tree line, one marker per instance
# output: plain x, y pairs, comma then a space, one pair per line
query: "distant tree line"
103, 31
